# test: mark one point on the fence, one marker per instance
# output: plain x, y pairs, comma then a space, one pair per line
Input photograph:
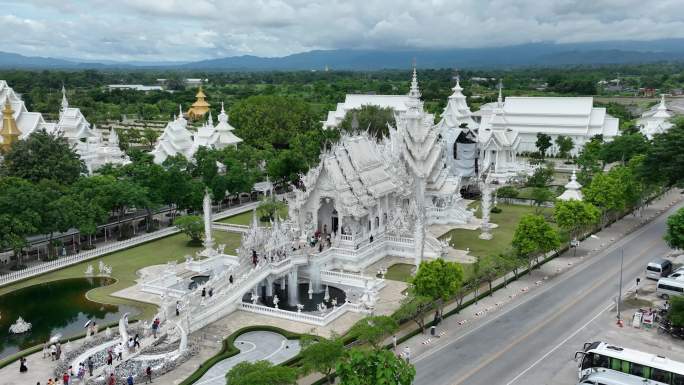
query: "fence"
318, 320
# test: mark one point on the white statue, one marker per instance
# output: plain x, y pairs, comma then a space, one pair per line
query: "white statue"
334, 303
275, 301
89, 270
20, 326
300, 307
255, 298
326, 297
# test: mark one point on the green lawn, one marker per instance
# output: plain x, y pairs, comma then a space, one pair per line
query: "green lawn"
246, 219
503, 235
526, 192
400, 272
127, 262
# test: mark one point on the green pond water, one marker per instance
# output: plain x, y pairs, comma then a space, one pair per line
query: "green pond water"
52, 308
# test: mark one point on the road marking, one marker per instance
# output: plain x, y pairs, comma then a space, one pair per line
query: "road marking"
560, 344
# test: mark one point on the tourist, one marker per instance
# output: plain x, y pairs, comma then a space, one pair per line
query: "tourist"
230, 279
58, 351
136, 341
65, 378
91, 365
155, 326
119, 351
131, 345
81, 372
51, 381
177, 308
71, 371
211, 292
129, 380
204, 292
320, 247
371, 239
109, 358
407, 354
22, 365
394, 342
148, 374
255, 258
46, 350
112, 380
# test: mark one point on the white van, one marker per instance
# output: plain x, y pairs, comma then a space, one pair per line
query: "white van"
658, 268
668, 287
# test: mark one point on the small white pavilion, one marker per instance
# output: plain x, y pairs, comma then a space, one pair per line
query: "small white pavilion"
219, 136
573, 190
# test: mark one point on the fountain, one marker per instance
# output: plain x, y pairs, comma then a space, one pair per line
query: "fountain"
326, 297
104, 270
310, 290
285, 302
20, 326
89, 270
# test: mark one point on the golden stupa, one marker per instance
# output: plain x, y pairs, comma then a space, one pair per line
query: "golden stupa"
10, 132
200, 107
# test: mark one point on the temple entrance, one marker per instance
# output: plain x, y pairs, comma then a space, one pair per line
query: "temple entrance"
327, 216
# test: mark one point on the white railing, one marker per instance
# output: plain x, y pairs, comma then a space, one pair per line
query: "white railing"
349, 279
318, 320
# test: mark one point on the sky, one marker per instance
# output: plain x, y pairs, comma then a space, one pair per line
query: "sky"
186, 30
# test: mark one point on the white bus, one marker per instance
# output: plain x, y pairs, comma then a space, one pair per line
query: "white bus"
612, 377
600, 354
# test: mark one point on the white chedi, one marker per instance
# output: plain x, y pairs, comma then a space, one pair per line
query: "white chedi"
20, 326
573, 190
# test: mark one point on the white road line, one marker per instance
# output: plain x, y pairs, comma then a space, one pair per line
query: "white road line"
282, 345
610, 305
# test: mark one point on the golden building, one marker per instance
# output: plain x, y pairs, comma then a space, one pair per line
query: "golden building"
10, 132
200, 107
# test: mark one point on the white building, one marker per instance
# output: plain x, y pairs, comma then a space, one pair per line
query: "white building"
72, 125
655, 120
134, 87
178, 139
525, 117
356, 101
573, 190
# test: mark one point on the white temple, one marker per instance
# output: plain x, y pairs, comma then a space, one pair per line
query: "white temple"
72, 125
573, 190
523, 117
655, 121
178, 139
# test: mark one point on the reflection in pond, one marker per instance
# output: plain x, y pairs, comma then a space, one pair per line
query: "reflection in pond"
53, 307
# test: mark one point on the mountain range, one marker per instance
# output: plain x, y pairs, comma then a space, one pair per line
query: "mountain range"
525, 55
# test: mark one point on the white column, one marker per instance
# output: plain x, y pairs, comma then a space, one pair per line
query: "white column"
269, 287
206, 203
292, 287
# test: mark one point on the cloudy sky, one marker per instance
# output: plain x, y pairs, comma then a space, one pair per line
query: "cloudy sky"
154, 30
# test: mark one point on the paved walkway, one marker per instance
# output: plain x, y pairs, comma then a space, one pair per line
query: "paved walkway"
254, 346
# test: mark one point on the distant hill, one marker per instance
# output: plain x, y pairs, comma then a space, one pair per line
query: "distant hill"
536, 54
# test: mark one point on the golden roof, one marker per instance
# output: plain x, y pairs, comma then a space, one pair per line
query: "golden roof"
200, 107
10, 132
200, 93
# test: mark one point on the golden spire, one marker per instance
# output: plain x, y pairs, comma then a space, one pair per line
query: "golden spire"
200, 107
10, 132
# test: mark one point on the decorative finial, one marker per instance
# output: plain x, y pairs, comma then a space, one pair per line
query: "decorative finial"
223, 110
65, 102
500, 99
414, 91
210, 121
180, 110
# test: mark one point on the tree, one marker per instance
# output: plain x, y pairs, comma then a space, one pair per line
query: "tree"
43, 156
371, 119
270, 207
573, 216
676, 313
623, 148
322, 355
534, 237
541, 195
373, 329
507, 192
565, 145
149, 137
543, 143
286, 166
490, 267
261, 373
674, 236
438, 280
192, 226
589, 160
378, 367
664, 161
19, 215
414, 308
541, 177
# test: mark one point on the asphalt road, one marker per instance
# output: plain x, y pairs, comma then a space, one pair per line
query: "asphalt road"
514, 346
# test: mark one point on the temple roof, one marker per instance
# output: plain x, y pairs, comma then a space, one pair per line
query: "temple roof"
356, 101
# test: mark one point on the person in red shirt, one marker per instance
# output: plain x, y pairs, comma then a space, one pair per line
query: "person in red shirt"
112, 380
65, 378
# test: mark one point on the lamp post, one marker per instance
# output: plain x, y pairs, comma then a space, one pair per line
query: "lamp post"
619, 298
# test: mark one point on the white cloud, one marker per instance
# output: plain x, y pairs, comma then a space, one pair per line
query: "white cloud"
197, 29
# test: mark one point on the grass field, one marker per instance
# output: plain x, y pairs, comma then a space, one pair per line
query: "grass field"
399, 272
126, 263
503, 235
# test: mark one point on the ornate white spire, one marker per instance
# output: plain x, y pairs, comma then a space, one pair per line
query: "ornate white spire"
414, 92
65, 102
573, 190
500, 98
210, 120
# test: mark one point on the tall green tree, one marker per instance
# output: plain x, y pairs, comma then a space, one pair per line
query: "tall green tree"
674, 236
438, 280
534, 237
415, 308
543, 143
373, 329
43, 156
574, 216
664, 160
371, 119
192, 226
377, 367
565, 145
19, 214
322, 356
261, 373
624, 147
589, 160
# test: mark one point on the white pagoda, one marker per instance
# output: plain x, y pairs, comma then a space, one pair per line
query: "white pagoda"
72, 125
655, 122
573, 190
219, 136
176, 139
